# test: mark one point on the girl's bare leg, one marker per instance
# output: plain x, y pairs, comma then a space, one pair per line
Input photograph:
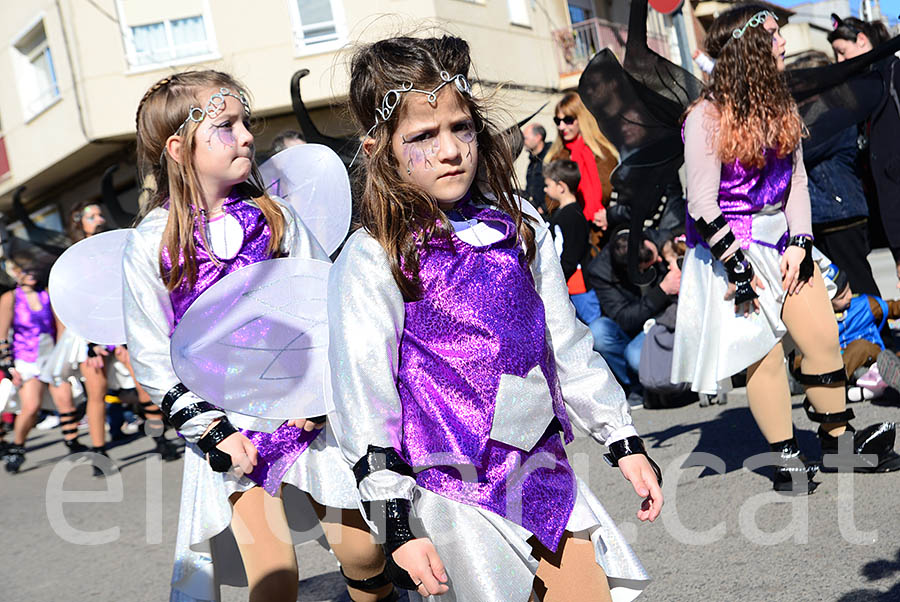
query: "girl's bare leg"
95, 386
570, 573
769, 396
264, 540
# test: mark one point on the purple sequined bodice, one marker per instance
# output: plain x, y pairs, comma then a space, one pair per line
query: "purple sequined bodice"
277, 451
745, 191
28, 325
479, 318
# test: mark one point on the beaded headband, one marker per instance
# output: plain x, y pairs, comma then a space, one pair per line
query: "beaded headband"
214, 107
392, 99
754, 21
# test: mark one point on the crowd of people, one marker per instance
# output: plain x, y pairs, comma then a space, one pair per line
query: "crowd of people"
466, 324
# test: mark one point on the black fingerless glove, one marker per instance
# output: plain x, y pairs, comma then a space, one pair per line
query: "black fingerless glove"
806, 266
397, 531
219, 461
740, 274
628, 447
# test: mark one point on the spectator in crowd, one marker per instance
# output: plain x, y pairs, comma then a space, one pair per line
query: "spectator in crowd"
852, 37
618, 334
570, 233
536, 142
581, 141
839, 209
286, 139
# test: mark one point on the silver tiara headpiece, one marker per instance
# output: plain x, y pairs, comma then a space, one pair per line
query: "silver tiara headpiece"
392, 98
214, 107
754, 21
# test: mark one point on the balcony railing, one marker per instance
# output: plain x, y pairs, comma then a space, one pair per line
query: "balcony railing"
576, 46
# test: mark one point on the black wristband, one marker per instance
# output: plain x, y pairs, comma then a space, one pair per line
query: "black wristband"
740, 273
381, 458
219, 461
708, 229
90, 350
171, 397
396, 524
628, 447
806, 265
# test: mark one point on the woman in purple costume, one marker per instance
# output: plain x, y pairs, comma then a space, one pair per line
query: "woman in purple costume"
26, 310
208, 217
458, 365
749, 278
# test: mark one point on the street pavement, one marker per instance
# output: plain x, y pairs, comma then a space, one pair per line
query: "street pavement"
723, 535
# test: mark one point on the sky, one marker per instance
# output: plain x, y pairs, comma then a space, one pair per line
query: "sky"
890, 8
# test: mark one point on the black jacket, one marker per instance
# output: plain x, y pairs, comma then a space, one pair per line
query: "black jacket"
884, 149
534, 178
625, 303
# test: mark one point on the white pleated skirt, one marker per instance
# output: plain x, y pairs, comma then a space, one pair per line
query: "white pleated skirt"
712, 343
488, 558
204, 520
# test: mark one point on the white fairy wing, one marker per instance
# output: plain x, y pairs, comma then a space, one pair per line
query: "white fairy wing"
256, 342
312, 178
86, 287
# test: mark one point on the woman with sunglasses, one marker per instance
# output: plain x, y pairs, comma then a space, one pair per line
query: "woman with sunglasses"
580, 140
850, 38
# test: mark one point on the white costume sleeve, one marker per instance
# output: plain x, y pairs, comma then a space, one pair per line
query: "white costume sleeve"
594, 399
365, 321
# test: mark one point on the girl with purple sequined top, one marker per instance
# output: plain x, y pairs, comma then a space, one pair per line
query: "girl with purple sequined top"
749, 278
208, 217
459, 369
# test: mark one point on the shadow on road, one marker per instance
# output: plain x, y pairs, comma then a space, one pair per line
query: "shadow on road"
875, 571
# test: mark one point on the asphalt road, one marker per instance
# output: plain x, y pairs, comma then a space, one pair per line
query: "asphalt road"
723, 535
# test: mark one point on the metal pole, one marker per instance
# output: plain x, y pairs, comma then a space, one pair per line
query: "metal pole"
682, 38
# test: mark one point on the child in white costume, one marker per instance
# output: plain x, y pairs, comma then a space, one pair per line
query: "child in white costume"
458, 364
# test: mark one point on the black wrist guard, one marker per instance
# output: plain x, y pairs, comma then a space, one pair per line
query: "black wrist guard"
628, 447
740, 274
396, 532
171, 397
806, 266
90, 350
219, 461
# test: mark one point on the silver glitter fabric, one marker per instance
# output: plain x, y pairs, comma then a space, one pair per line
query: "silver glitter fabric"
68, 353
366, 319
205, 513
711, 342
517, 422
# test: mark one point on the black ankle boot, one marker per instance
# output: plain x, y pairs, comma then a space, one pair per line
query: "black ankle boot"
792, 465
14, 458
166, 449
872, 449
102, 465
75, 446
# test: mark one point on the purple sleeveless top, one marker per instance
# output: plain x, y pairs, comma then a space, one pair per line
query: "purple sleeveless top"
480, 317
744, 191
279, 450
28, 325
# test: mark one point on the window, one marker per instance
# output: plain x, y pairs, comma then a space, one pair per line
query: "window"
36, 76
518, 12
168, 40
578, 14
318, 24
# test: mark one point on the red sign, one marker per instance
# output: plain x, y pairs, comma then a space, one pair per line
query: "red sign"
666, 6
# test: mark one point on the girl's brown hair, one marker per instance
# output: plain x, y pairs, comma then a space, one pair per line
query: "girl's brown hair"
160, 114
572, 106
399, 214
75, 226
756, 109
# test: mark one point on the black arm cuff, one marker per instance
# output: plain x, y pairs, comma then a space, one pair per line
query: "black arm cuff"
806, 266
708, 229
396, 522
90, 350
723, 245
740, 273
171, 397
628, 447
219, 461
190, 411
381, 458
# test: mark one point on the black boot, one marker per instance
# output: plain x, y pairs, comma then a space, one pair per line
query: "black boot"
166, 449
75, 446
793, 465
102, 465
872, 449
14, 458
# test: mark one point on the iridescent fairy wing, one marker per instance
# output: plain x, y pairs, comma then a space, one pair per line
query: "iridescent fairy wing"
313, 179
86, 287
256, 341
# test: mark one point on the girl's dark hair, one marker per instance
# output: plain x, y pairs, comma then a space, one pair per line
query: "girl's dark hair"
849, 28
399, 214
756, 109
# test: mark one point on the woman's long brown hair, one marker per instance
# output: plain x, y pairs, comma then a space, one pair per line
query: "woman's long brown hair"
756, 109
398, 214
571, 106
160, 113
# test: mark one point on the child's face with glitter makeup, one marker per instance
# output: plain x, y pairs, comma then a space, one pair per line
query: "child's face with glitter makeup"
778, 41
435, 145
223, 144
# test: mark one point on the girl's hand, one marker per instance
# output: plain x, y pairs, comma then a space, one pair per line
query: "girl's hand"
600, 219
307, 424
242, 451
419, 558
16, 377
748, 306
637, 469
790, 270
96, 361
122, 354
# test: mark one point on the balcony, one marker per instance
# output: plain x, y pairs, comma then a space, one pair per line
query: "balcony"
576, 46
